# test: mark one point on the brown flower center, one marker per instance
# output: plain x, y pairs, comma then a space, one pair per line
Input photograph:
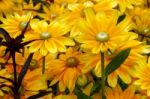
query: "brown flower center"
72, 62
33, 64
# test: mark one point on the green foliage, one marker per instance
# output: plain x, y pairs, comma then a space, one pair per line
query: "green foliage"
122, 17
117, 61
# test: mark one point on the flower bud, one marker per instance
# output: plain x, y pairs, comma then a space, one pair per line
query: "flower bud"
82, 80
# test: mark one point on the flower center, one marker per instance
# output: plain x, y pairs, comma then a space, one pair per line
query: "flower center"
72, 62
102, 37
33, 64
88, 4
22, 25
45, 35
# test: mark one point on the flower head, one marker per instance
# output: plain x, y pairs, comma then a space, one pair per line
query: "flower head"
142, 75
66, 69
14, 24
101, 33
118, 93
128, 4
49, 37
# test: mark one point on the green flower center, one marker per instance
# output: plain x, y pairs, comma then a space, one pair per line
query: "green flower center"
22, 25
72, 62
45, 35
102, 37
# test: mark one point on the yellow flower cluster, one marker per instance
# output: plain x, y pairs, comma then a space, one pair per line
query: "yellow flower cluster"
72, 49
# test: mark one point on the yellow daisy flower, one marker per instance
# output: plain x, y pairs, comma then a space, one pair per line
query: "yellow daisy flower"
101, 33
51, 12
33, 82
14, 24
76, 13
125, 70
49, 37
66, 69
76, 9
25, 7
118, 93
142, 22
142, 74
37, 59
128, 4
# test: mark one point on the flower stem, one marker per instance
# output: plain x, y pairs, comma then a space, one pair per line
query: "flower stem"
43, 67
103, 76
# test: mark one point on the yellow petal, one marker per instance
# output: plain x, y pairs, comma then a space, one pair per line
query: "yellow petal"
112, 79
62, 87
43, 50
35, 46
87, 89
51, 46
66, 41
90, 17
125, 25
124, 76
55, 80
60, 46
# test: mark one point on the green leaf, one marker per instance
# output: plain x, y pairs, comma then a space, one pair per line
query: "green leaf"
81, 95
121, 18
117, 61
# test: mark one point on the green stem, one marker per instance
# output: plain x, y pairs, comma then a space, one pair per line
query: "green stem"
43, 67
103, 75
